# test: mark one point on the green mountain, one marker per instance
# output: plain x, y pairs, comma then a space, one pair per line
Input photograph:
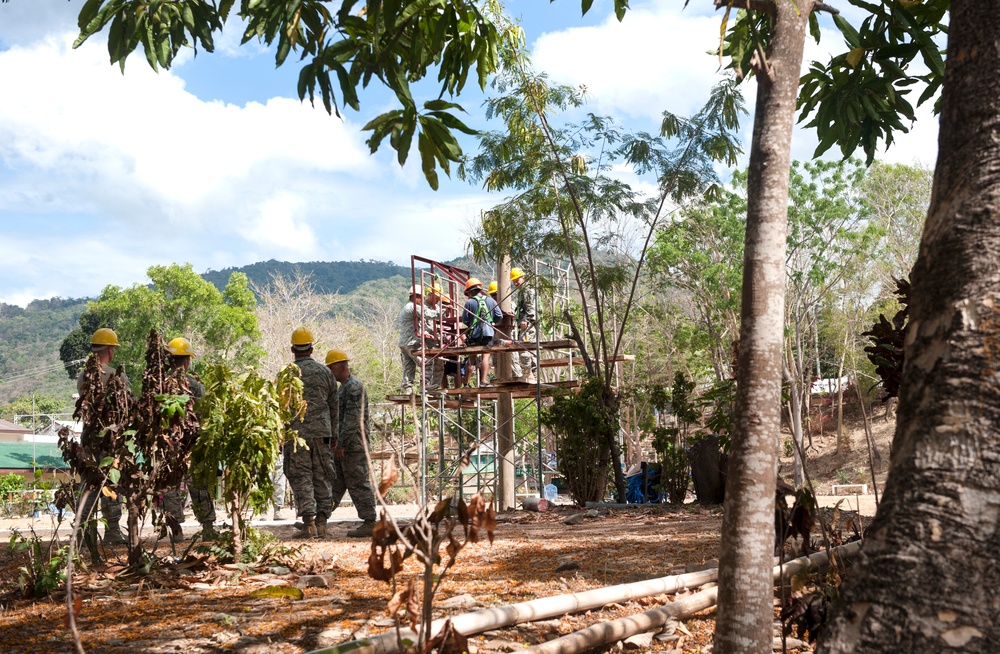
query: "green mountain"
327, 276
29, 348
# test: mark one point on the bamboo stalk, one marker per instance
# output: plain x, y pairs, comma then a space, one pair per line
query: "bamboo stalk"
605, 633
550, 607
538, 609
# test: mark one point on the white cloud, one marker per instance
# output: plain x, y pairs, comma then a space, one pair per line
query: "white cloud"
657, 59
278, 226
653, 60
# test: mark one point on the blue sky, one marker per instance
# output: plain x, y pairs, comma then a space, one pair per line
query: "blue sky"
217, 163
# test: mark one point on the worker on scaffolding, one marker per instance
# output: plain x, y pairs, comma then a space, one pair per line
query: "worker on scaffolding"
479, 315
524, 364
418, 314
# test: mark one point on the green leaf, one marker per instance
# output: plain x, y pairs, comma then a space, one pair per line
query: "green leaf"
106, 461
114, 475
850, 34
427, 160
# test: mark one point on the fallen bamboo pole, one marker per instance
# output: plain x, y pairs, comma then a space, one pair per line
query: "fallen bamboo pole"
531, 611
605, 633
543, 608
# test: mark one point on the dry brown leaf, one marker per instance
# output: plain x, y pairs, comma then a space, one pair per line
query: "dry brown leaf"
77, 605
389, 478
401, 597
490, 522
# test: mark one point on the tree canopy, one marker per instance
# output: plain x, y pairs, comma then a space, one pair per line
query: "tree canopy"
221, 326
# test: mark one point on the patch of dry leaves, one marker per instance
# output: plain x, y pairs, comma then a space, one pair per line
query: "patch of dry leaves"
198, 608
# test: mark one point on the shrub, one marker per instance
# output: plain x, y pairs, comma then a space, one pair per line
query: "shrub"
584, 423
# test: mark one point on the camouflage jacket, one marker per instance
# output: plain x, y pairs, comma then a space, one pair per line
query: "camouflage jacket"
353, 405
319, 390
106, 372
525, 308
408, 336
197, 388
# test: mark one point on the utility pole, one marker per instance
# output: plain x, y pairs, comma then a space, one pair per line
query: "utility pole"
506, 498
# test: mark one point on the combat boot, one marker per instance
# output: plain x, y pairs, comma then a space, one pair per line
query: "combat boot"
320, 525
309, 526
208, 532
365, 530
113, 535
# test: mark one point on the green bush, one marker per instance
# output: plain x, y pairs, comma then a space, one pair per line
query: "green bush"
582, 422
11, 482
45, 571
675, 478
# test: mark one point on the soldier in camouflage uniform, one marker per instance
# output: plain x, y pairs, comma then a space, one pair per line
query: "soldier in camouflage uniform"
409, 340
201, 494
102, 345
309, 469
349, 454
524, 364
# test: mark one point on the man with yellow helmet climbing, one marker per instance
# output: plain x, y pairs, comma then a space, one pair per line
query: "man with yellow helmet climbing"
416, 327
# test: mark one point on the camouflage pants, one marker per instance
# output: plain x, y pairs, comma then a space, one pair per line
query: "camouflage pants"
523, 362
433, 368
352, 477
201, 502
278, 481
111, 509
310, 473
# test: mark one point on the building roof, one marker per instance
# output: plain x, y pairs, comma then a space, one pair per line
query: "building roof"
7, 426
18, 456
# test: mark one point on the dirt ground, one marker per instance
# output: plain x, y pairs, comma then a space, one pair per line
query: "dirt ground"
189, 607
209, 610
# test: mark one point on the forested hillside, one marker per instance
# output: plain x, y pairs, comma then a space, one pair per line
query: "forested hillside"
29, 345
327, 276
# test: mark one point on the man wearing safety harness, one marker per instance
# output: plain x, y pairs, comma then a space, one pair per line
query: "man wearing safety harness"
479, 315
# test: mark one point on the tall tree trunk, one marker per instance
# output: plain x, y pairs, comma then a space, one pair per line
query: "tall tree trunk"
843, 441
940, 512
135, 551
236, 515
744, 618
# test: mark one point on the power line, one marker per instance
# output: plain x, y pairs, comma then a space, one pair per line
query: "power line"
43, 370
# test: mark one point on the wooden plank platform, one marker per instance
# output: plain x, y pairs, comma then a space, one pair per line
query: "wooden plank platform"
449, 403
503, 347
557, 362
467, 395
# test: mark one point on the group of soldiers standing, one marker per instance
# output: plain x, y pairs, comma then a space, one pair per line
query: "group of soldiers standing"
479, 319
335, 427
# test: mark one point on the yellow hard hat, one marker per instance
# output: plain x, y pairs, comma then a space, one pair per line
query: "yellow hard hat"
438, 292
104, 336
302, 336
516, 274
493, 288
336, 356
180, 347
